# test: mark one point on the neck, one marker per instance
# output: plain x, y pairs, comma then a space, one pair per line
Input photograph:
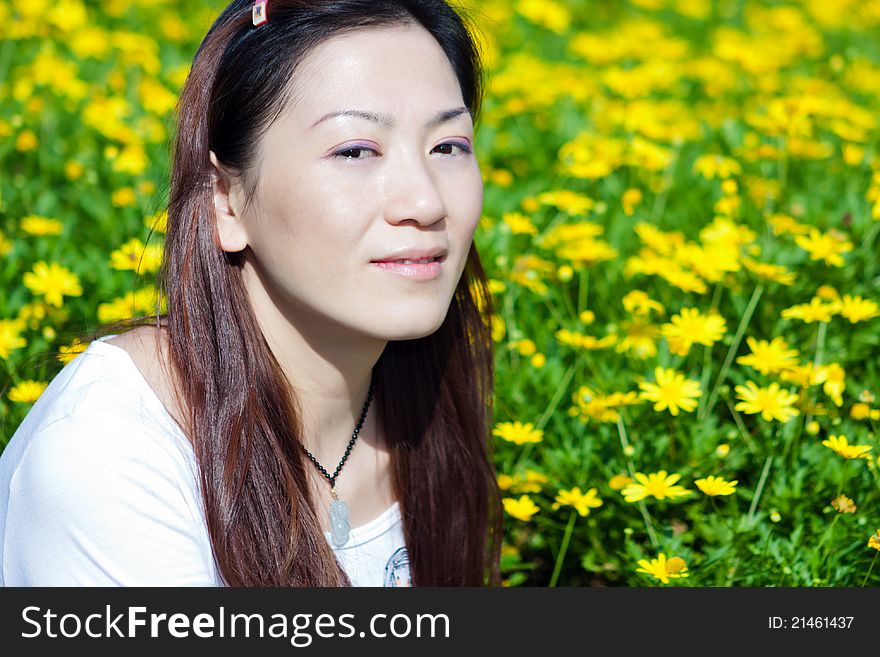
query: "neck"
328, 366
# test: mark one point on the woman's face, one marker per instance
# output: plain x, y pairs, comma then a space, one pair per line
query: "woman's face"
337, 193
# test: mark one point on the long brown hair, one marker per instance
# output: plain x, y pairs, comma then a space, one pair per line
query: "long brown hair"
241, 414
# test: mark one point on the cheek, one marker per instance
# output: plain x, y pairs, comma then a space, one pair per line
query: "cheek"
468, 197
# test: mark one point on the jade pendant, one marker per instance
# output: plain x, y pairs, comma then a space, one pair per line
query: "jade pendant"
339, 525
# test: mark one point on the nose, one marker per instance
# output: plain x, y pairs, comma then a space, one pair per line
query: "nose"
413, 190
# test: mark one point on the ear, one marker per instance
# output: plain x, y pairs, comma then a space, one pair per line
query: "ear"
230, 227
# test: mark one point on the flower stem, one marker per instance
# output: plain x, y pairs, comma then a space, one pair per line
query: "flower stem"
621, 431
583, 289
760, 488
740, 330
563, 548
551, 407
828, 532
873, 561
820, 342
707, 352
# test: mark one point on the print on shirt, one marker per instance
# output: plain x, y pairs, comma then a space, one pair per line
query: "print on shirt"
397, 569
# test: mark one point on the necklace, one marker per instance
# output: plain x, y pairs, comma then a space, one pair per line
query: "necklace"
340, 527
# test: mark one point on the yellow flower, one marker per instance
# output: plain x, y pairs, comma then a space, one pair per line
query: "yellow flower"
805, 375
73, 170
575, 339
518, 433
530, 204
631, 198
525, 347
782, 224
123, 197
530, 482
582, 502
657, 484
861, 411
827, 292
157, 221
874, 541
843, 504
853, 154
538, 361
521, 509
856, 309
569, 202
772, 402
712, 166
639, 303
712, 485
722, 450
69, 352
689, 327
10, 336
593, 405
498, 328
27, 392
769, 272
505, 481
132, 160
53, 281
639, 337
834, 382
519, 224
815, 311
767, 357
671, 390
528, 270
825, 246
664, 243
26, 141
617, 482
547, 13
840, 445
138, 257
662, 569
39, 226
500, 177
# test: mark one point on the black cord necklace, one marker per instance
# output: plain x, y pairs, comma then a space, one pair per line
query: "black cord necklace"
340, 527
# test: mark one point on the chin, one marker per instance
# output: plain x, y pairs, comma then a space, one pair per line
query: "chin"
410, 328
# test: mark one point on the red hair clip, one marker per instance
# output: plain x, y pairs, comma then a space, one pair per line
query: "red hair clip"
259, 13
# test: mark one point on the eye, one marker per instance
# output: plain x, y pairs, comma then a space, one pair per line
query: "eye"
346, 153
465, 149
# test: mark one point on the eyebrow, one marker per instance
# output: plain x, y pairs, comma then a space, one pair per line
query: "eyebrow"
441, 117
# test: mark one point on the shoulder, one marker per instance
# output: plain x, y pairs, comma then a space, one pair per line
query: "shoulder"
92, 502
100, 406
98, 487
147, 347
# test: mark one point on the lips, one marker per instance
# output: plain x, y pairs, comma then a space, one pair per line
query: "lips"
412, 256
411, 261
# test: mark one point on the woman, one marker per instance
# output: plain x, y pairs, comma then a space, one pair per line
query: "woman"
313, 408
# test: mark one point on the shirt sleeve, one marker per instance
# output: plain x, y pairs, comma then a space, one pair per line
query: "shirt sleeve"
90, 505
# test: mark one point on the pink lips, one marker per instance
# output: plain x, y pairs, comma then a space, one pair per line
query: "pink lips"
418, 271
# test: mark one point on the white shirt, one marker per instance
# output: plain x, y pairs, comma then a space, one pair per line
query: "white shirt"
98, 487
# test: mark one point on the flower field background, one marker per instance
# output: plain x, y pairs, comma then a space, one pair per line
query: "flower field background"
680, 225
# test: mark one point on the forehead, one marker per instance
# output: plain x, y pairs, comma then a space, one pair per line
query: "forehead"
391, 69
